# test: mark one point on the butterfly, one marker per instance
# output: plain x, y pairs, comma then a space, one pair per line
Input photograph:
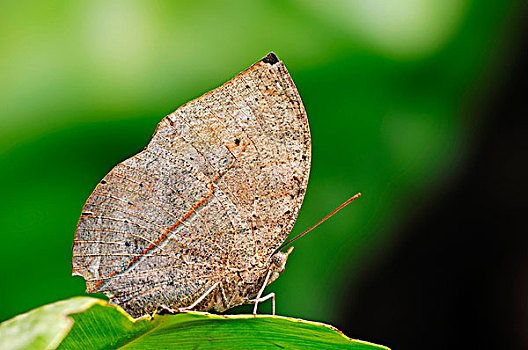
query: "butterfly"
195, 220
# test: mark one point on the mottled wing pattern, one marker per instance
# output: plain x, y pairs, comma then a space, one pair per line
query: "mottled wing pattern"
214, 193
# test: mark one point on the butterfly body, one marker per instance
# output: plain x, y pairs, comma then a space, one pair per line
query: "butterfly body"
243, 286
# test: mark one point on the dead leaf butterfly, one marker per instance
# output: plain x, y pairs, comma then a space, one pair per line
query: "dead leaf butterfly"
196, 219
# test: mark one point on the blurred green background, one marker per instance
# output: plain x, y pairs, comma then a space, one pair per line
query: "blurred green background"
393, 91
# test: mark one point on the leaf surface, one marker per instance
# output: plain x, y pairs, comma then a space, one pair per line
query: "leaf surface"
81, 323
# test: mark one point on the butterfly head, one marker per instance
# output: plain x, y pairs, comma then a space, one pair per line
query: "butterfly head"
278, 264
278, 260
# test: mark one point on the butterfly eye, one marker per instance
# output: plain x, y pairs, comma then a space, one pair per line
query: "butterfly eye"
276, 259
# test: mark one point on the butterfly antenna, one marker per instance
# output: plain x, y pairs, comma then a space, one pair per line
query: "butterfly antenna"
322, 220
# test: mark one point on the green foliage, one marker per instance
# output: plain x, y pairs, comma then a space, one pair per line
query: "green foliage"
388, 87
89, 323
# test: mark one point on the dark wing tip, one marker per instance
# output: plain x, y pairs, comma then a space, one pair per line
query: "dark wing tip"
271, 58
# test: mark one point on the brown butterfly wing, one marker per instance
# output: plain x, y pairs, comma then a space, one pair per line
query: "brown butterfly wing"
215, 192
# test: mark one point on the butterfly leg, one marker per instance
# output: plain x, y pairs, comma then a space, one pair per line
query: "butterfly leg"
257, 299
164, 309
223, 295
199, 300
270, 295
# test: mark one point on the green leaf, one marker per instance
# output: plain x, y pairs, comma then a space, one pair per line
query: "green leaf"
43, 327
81, 323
